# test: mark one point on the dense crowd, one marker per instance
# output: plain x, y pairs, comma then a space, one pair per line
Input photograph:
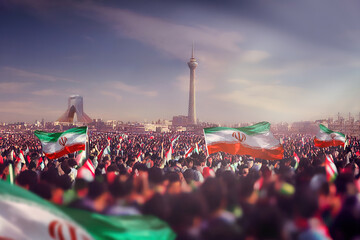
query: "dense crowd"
220, 196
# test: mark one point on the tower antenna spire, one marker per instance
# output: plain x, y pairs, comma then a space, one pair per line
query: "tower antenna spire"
192, 52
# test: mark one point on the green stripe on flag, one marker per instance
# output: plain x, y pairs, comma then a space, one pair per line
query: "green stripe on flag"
10, 177
124, 227
53, 137
261, 127
328, 131
97, 225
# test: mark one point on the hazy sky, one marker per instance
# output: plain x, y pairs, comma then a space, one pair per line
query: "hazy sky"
259, 60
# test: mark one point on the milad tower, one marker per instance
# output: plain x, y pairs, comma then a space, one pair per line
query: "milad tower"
192, 113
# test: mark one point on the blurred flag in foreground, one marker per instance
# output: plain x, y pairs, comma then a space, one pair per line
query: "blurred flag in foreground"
58, 144
326, 138
256, 141
24, 215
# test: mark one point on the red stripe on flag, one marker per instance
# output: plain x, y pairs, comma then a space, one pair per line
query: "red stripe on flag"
323, 144
66, 150
237, 148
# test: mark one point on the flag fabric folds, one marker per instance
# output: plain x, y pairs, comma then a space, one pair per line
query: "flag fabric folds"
188, 152
105, 151
326, 138
87, 171
55, 145
80, 157
297, 160
24, 215
331, 171
168, 154
256, 141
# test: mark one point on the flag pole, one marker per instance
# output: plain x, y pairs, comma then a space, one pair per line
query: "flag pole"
86, 146
207, 151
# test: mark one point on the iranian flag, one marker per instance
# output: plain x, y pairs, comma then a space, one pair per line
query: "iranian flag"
26, 216
21, 156
189, 152
168, 154
331, 171
256, 141
327, 138
105, 151
87, 171
297, 160
58, 144
173, 141
80, 157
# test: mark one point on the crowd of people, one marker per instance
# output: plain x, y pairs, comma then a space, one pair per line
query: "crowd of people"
220, 196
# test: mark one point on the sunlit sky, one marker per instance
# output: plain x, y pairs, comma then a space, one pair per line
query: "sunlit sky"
259, 60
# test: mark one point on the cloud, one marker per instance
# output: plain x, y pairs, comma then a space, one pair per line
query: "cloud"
172, 39
138, 90
26, 110
35, 76
13, 87
264, 96
116, 96
240, 81
46, 92
18, 107
254, 56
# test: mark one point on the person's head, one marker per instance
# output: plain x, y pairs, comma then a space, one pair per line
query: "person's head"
32, 166
65, 167
119, 189
42, 189
250, 162
186, 212
96, 190
61, 184
190, 162
156, 176
214, 192
26, 179
119, 160
113, 168
189, 175
72, 163
81, 187
244, 170
174, 186
99, 194
158, 206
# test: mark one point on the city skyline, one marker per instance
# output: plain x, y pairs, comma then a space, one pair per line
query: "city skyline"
258, 61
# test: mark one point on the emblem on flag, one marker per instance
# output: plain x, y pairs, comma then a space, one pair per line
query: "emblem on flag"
62, 141
239, 136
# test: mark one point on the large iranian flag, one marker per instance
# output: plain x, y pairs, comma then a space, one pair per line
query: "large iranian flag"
255, 140
24, 215
327, 138
55, 145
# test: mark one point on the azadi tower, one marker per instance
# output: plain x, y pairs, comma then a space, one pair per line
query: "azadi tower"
75, 106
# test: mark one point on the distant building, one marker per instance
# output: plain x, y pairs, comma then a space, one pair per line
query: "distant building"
180, 120
305, 127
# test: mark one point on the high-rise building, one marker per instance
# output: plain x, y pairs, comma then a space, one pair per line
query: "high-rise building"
192, 111
75, 105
